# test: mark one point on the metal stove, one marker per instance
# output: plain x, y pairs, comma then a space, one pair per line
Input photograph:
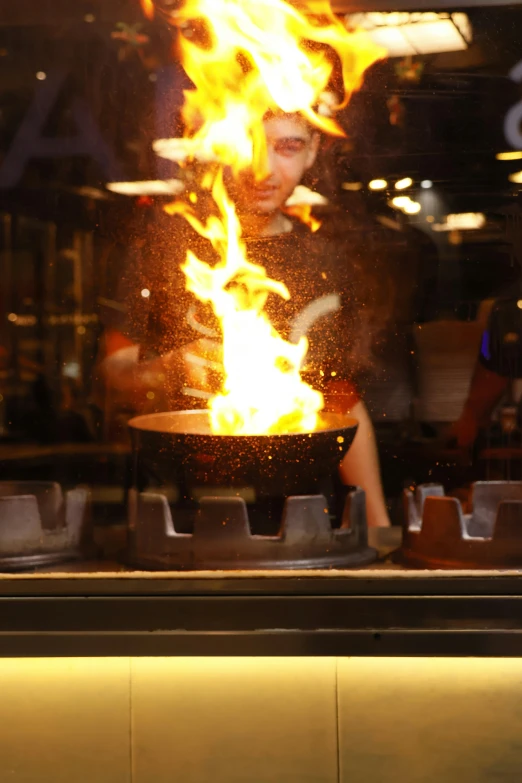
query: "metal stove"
440, 533
40, 525
299, 518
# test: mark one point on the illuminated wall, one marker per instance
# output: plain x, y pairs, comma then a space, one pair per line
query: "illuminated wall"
260, 720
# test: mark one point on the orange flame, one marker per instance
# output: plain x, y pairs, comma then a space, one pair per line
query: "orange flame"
304, 213
263, 392
261, 55
247, 58
148, 9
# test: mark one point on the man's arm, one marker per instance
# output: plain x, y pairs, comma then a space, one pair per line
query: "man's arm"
193, 368
485, 391
360, 467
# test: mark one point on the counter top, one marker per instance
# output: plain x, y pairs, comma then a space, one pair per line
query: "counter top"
103, 609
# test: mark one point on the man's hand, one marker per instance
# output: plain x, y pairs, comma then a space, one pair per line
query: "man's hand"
463, 433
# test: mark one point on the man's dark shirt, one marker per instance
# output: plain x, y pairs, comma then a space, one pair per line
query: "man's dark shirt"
343, 286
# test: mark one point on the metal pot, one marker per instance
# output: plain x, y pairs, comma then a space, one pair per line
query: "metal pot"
179, 447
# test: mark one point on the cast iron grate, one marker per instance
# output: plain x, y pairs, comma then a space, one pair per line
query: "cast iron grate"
39, 525
222, 536
439, 534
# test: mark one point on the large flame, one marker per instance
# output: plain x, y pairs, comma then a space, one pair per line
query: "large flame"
247, 58
261, 55
263, 391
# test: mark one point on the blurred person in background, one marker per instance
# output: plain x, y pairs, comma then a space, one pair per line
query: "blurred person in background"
499, 363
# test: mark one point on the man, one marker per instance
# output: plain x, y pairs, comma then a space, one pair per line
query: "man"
172, 350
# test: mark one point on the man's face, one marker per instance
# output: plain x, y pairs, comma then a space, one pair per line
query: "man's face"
291, 150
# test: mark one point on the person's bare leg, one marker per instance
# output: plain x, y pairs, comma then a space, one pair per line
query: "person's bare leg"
360, 467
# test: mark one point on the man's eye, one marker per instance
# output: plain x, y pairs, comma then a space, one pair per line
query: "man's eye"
289, 147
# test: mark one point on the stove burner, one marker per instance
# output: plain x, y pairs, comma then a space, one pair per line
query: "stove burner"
222, 537
438, 534
37, 526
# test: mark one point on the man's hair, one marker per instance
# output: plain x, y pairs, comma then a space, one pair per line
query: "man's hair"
280, 114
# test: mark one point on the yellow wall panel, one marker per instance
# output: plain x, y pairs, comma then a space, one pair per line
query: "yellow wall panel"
234, 720
426, 720
64, 720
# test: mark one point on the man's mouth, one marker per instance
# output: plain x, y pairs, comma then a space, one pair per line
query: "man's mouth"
264, 191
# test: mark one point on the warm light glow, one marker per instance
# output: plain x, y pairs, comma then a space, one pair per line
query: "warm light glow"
519, 304
513, 155
152, 187
378, 184
407, 34
462, 221
41, 76
145, 293
180, 150
426, 184
257, 56
404, 183
352, 186
412, 208
406, 204
516, 178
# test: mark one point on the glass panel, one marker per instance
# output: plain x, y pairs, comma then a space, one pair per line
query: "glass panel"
389, 226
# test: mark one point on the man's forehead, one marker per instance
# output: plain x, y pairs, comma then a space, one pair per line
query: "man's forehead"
277, 128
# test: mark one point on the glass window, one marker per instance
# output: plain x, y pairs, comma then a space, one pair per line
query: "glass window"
289, 249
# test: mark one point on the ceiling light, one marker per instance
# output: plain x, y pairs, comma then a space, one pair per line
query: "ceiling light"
405, 182
405, 34
412, 208
152, 187
378, 184
406, 204
462, 221
400, 201
426, 184
513, 155
179, 150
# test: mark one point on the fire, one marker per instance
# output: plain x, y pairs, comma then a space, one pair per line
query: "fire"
147, 7
304, 213
247, 58
263, 392
261, 55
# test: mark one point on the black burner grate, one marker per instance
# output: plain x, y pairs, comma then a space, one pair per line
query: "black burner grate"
222, 537
439, 534
39, 525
